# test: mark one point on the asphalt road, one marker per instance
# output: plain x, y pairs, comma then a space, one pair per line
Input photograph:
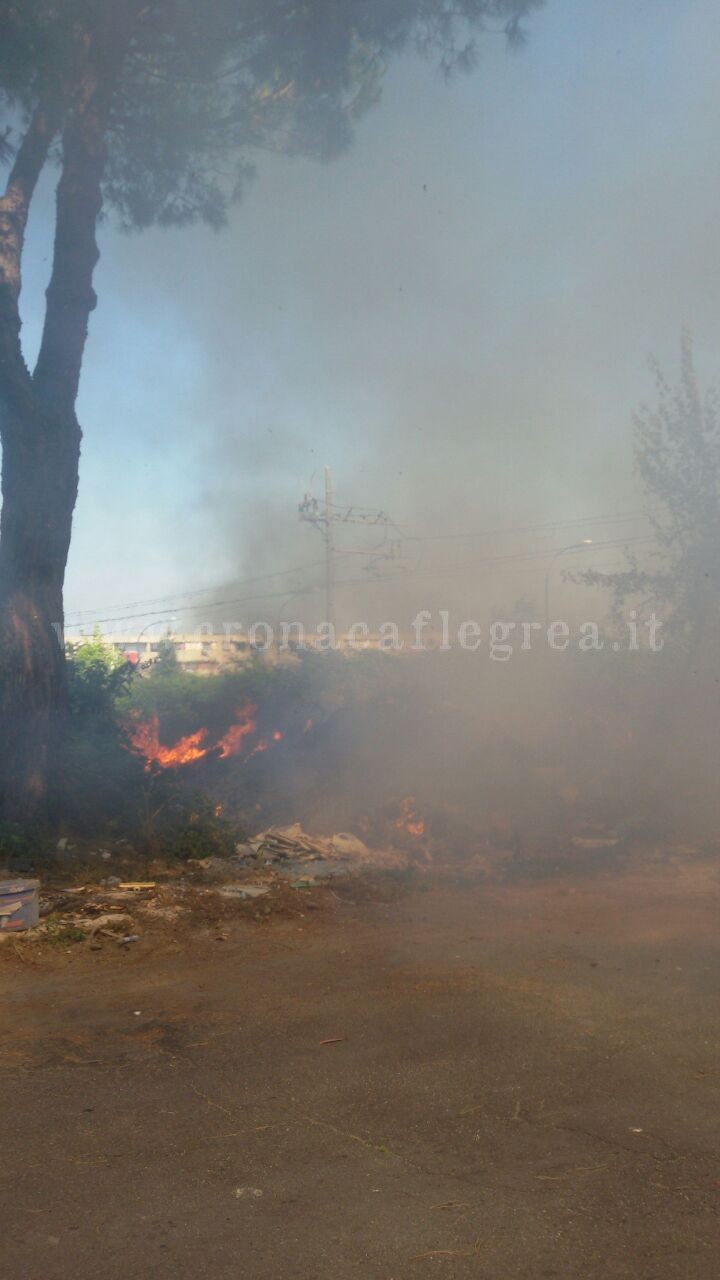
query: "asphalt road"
525, 1083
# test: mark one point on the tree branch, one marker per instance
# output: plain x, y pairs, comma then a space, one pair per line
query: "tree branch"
15, 204
14, 209
70, 295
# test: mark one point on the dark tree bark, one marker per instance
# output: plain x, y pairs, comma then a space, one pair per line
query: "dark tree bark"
39, 483
30, 680
40, 432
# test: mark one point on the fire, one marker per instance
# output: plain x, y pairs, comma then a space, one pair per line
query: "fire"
409, 819
231, 743
145, 739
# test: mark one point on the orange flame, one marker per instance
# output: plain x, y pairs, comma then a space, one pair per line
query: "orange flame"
409, 819
146, 740
232, 742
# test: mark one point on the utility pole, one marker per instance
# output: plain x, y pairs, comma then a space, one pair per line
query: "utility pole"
325, 516
329, 552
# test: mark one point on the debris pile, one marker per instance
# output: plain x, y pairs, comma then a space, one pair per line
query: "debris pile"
283, 846
18, 904
261, 879
278, 844
92, 911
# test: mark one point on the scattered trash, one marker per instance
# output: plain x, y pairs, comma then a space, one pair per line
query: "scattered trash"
276, 858
19, 905
254, 890
169, 912
110, 923
290, 842
237, 889
247, 1193
348, 845
322, 869
334, 1040
283, 845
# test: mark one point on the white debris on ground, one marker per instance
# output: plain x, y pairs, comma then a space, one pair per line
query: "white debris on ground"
280, 845
269, 869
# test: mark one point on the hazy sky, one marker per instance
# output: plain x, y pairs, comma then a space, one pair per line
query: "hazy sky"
456, 316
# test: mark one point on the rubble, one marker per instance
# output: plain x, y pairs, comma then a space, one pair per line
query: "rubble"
291, 842
272, 866
240, 889
289, 846
19, 904
110, 922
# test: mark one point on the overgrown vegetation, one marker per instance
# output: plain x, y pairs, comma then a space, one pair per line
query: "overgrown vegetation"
97, 781
502, 747
677, 459
103, 787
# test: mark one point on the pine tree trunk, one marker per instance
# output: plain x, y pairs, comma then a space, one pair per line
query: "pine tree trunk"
39, 480
40, 432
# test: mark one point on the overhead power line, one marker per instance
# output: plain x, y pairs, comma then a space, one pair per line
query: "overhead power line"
184, 595
411, 576
527, 528
169, 600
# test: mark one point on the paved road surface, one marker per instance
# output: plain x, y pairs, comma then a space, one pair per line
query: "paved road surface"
527, 1085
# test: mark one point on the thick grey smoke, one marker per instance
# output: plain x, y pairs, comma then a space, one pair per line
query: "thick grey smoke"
456, 316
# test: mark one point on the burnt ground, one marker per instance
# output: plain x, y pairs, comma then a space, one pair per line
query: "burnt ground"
526, 1085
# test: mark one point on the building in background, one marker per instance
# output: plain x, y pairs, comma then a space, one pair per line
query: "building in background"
205, 654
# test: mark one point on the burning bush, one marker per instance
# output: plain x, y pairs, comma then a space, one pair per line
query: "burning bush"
392, 750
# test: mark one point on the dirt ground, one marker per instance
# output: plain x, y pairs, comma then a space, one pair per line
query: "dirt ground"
525, 1083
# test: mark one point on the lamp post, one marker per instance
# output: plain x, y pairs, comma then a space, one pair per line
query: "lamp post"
153, 624
574, 546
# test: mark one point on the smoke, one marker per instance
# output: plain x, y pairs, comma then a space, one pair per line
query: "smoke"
456, 316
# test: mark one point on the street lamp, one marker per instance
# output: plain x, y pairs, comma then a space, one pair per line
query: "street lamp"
153, 624
574, 546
